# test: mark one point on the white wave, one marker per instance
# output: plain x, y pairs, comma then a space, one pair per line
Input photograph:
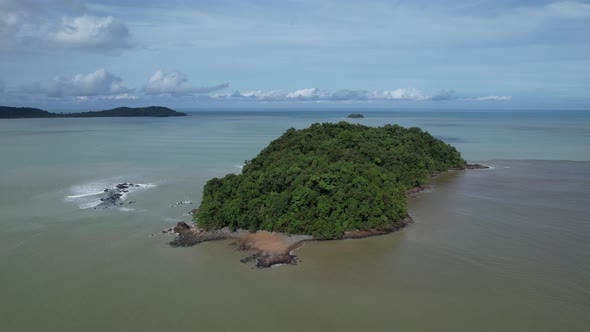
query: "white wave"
89, 205
87, 195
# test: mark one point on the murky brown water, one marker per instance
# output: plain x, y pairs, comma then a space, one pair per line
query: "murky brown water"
506, 249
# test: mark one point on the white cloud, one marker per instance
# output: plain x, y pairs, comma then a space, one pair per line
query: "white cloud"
123, 96
173, 83
315, 94
305, 94
567, 9
265, 95
399, 94
37, 24
162, 82
88, 31
98, 83
489, 98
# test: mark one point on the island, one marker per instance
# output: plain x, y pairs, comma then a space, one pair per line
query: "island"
355, 116
328, 181
7, 112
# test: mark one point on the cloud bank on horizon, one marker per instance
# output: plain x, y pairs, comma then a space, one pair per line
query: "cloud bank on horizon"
67, 53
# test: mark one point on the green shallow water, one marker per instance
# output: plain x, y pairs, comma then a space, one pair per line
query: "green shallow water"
500, 249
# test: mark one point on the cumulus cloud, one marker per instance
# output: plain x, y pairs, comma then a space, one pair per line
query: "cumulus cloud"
98, 83
173, 83
34, 24
304, 94
88, 31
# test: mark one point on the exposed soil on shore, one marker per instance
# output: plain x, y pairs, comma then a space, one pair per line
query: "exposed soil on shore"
265, 248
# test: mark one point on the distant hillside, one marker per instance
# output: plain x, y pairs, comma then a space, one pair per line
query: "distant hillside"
7, 112
157, 111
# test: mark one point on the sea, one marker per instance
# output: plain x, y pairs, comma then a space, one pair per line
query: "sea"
501, 249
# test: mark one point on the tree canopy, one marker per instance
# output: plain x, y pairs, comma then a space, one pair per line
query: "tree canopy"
355, 116
326, 180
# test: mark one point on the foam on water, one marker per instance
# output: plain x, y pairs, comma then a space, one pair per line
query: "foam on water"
88, 195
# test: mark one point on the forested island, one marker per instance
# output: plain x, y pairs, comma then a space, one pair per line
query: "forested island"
329, 181
7, 112
355, 116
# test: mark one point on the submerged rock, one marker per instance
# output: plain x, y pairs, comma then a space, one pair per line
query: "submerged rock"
470, 166
114, 196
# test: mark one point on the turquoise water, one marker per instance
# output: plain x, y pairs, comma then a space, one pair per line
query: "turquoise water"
500, 249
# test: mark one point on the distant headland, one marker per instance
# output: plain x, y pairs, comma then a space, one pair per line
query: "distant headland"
7, 112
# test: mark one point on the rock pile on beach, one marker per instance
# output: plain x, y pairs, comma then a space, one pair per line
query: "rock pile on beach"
188, 235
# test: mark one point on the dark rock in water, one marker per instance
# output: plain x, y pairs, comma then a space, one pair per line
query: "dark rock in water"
476, 166
470, 166
249, 259
114, 195
419, 189
267, 260
123, 185
169, 230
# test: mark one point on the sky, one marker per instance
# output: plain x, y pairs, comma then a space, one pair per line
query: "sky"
478, 54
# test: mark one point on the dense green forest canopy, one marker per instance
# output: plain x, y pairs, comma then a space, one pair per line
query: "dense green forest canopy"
157, 111
7, 112
355, 116
326, 180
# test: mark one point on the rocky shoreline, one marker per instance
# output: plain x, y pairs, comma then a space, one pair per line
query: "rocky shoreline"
266, 249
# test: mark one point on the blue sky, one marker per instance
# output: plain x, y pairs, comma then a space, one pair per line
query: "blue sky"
310, 53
